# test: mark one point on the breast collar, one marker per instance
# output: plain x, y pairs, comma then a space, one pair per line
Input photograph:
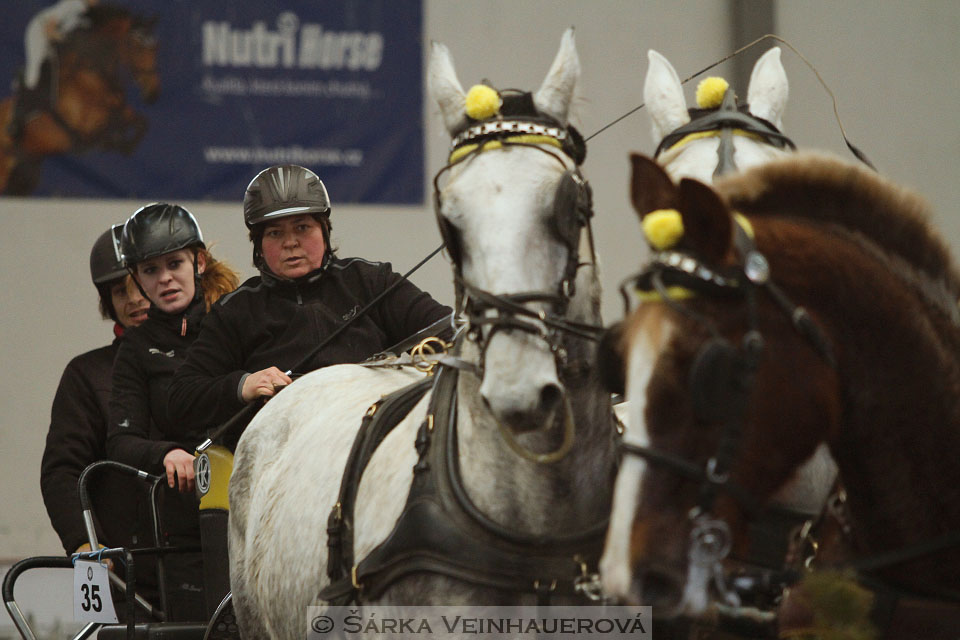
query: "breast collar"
441, 531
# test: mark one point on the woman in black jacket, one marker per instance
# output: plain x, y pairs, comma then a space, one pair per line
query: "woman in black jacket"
163, 248
78, 429
304, 292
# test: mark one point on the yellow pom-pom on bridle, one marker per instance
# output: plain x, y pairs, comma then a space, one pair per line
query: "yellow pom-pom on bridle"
663, 228
482, 102
710, 92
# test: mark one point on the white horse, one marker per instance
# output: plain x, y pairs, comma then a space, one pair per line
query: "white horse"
696, 155
527, 385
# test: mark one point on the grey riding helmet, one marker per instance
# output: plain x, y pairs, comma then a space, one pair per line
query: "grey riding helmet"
105, 264
284, 190
106, 268
280, 191
156, 229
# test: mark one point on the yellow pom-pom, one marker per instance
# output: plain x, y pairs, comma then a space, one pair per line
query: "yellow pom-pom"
710, 92
663, 228
482, 102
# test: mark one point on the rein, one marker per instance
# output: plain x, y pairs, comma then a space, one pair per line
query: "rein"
860, 155
254, 406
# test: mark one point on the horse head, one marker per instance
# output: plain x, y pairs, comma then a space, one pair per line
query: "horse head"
718, 137
512, 211
707, 376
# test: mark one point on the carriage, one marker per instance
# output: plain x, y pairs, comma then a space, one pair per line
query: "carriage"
493, 482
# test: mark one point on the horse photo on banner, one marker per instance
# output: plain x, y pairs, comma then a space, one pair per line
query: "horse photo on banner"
185, 100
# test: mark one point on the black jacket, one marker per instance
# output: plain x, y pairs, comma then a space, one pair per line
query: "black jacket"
77, 438
275, 322
141, 430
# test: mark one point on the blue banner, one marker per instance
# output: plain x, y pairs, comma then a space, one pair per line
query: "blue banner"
189, 99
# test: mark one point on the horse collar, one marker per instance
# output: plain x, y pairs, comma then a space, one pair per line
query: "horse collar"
441, 531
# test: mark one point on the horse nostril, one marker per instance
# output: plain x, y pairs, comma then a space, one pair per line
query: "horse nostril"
550, 398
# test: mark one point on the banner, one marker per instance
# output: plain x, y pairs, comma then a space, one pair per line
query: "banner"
189, 99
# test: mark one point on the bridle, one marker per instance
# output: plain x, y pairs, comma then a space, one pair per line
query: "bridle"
721, 379
520, 124
726, 121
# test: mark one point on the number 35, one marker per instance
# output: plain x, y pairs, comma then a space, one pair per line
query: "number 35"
91, 597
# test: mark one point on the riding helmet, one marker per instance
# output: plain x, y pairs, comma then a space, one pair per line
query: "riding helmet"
105, 264
156, 229
284, 190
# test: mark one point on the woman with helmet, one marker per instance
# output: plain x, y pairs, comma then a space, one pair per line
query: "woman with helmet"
78, 424
162, 246
303, 293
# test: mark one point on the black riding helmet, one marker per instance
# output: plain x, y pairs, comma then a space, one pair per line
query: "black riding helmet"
280, 191
156, 229
106, 267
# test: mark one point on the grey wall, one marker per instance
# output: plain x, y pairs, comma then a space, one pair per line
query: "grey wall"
892, 66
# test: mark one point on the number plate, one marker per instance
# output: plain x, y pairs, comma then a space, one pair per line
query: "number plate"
91, 593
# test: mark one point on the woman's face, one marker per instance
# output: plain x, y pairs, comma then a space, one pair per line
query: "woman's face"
128, 304
168, 279
293, 246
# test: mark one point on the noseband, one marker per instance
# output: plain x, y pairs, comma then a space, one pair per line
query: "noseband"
725, 122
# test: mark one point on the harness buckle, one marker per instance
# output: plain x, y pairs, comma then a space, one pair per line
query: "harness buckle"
541, 589
353, 579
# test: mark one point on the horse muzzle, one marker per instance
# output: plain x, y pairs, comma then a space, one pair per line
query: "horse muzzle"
520, 383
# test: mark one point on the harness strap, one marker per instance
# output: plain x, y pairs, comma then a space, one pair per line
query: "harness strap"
379, 421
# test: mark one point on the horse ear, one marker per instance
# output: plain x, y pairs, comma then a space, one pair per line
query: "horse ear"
663, 95
767, 95
556, 93
707, 223
650, 187
445, 88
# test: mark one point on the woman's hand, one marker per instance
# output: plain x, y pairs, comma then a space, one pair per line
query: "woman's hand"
263, 384
179, 466
86, 547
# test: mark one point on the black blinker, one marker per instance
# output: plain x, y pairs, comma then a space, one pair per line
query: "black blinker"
715, 381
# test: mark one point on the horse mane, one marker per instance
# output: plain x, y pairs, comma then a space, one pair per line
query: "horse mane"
825, 189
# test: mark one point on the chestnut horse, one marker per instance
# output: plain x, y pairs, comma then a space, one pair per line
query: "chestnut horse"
805, 301
89, 108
